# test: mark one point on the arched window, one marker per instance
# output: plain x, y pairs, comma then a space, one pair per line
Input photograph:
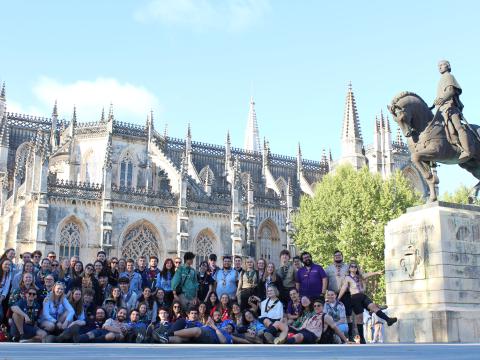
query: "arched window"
140, 241
204, 246
69, 244
126, 171
269, 242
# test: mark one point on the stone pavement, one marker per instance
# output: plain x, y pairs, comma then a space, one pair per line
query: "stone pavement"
233, 352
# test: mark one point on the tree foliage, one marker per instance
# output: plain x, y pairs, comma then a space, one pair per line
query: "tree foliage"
349, 211
461, 195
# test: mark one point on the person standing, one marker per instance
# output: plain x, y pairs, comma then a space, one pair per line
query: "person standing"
336, 273
287, 274
311, 279
134, 277
185, 283
237, 264
355, 283
226, 279
247, 283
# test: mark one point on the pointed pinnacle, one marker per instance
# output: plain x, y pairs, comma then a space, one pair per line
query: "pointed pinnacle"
350, 85
299, 149
228, 137
2, 93
74, 116
102, 116
110, 112
55, 112
165, 130
189, 131
289, 186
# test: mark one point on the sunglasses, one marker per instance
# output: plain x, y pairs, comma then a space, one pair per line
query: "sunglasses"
176, 307
178, 262
114, 262
37, 256
54, 265
32, 294
89, 268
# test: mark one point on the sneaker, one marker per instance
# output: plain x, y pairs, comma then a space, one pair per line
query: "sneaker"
140, 337
279, 340
392, 321
163, 339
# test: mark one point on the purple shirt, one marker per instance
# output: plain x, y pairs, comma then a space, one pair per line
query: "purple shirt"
311, 281
293, 309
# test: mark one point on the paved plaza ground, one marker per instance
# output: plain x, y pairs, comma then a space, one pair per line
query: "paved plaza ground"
200, 352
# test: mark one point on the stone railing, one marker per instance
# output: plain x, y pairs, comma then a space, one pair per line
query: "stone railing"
75, 190
141, 196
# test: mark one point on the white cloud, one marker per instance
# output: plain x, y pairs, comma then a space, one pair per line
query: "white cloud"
232, 15
130, 103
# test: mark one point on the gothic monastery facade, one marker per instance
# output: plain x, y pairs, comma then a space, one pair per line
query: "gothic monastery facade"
78, 187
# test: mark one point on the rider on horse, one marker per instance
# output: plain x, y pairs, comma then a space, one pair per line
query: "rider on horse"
450, 107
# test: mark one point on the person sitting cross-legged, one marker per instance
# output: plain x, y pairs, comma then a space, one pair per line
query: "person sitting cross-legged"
25, 315
157, 332
118, 328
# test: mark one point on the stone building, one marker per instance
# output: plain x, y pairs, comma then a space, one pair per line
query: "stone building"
78, 187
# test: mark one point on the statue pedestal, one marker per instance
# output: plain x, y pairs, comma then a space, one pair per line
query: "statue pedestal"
432, 273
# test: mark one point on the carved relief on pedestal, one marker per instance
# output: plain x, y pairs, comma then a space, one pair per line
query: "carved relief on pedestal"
411, 260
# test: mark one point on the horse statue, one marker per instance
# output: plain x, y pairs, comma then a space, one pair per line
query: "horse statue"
428, 141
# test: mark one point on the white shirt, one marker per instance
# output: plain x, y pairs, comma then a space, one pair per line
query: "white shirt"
271, 311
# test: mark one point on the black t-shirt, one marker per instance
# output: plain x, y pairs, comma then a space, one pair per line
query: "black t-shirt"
33, 311
204, 282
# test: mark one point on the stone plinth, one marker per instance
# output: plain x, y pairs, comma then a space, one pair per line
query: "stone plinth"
432, 273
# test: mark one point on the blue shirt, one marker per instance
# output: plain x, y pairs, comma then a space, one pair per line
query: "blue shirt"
226, 282
135, 281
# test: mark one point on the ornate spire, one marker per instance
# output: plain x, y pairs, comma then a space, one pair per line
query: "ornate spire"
55, 111
107, 164
252, 137
299, 159
387, 123
110, 113
2, 93
74, 116
188, 141
102, 116
228, 147
351, 125
324, 159
165, 131
249, 182
289, 186
207, 180
4, 132
150, 119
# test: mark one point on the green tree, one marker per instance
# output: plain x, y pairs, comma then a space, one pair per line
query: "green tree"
461, 195
349, 211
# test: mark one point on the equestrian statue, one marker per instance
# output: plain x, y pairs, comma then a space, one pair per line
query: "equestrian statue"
444, 137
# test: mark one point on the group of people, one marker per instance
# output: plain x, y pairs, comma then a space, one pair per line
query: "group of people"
124, 300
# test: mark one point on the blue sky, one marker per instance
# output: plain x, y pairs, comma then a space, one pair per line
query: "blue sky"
199, 61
